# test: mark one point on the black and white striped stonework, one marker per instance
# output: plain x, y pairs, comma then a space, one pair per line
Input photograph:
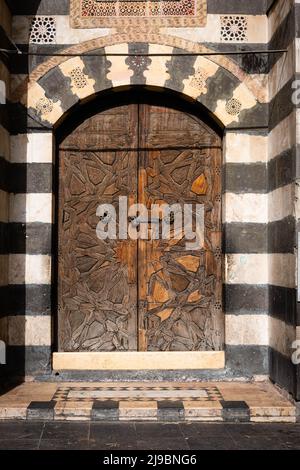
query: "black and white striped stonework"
260, 172
283, 155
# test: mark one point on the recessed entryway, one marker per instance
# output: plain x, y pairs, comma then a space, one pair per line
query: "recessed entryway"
124, 295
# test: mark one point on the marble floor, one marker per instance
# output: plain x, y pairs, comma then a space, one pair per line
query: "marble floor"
147, 401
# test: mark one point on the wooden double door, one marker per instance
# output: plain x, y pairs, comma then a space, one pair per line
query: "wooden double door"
138, 295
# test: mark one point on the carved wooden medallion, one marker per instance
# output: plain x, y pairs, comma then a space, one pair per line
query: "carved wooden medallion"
122, 295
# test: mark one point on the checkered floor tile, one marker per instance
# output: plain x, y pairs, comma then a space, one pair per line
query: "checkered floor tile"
137, 393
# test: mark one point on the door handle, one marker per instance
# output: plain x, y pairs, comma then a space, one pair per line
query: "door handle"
137, 220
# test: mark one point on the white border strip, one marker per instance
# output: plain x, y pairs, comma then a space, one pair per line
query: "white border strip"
139, 360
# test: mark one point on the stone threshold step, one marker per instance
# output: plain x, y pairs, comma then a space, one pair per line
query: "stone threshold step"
159, 411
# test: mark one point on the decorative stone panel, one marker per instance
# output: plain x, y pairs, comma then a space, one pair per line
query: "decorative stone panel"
233, 107
44, 106
81, 84
122, 13
78, 78
199, 81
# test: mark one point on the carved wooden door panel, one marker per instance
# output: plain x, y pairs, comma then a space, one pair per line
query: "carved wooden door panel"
97, 292
147, 295
180, 290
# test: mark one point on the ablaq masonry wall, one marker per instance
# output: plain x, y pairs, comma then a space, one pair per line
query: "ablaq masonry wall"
5, 29
251, 98
283, 155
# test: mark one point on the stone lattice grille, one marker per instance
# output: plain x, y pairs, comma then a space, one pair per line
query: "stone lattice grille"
138, 8
44, 106
234, 28
42, 30
199, 80
78, 78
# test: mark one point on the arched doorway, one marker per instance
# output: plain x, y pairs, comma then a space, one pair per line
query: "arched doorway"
146, 294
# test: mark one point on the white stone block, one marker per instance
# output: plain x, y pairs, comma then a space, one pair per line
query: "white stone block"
31, 207
32, 148
247, 330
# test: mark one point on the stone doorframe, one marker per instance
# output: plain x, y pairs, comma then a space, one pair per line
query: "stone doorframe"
235, 100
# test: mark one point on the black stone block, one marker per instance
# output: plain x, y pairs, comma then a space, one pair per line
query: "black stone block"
170, 410
105, 410
104, 405
41, 410
237, 405
235, 411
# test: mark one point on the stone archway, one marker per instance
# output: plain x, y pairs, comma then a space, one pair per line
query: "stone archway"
55, 86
